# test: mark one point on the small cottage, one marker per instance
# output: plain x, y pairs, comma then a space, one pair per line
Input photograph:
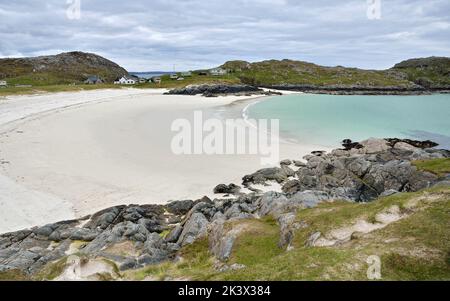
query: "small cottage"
3, 84
93, 80
174, 76
124, 80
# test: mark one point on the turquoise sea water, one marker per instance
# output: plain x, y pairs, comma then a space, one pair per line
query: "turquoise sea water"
328, 119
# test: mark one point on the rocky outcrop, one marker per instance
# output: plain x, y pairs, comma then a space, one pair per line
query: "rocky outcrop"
219, 89
353, 89
136, 236
360, 172
227, 189
70, 67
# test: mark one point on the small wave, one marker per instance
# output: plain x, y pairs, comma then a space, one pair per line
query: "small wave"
245, 113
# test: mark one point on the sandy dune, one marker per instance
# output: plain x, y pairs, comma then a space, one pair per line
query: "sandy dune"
67, 155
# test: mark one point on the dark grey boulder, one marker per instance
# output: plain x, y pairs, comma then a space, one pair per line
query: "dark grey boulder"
268, 174
180, 207
174, 235
227, 189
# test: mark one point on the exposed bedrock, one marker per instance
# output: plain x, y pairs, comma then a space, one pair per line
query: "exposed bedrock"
136, 236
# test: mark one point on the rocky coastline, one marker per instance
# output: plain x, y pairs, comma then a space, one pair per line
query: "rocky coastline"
135, 236
225, 89
216, 90
360, 90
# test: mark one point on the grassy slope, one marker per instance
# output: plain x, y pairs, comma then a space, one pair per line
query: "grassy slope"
415, 248
166, 83
429, 72
439, 167
296, 72
53, 89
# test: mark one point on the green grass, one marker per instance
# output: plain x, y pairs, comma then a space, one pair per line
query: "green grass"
414, 248
13, 275
167, 83
295, 72
401, 267
51, 270
417, 247
195, 79
53, 89
440, 167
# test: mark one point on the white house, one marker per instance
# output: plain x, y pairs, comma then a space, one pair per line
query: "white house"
174, 76
218, 72
124, 81
3, 83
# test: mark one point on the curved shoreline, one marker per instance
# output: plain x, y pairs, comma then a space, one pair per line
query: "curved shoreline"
57, 149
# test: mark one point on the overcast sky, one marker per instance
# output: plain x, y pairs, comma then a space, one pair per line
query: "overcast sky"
158, 34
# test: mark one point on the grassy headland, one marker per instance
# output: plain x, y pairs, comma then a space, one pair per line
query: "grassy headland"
66, 72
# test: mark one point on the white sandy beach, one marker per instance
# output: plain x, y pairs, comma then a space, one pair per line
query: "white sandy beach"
67, 155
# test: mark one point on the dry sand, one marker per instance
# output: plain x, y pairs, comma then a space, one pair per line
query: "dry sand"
67, 155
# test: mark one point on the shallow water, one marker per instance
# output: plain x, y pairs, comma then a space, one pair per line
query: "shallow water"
328, 119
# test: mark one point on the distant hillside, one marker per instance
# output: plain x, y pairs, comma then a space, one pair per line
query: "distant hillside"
432, 72
415, 74
64, 68
275, 72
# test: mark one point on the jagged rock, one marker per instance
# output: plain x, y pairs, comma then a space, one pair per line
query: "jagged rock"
348, 144
207, 209
287, 229
312, 239
404, 146
299, 163
174, 235
45, 231
291, 187
195, 227
104, 218
286, 162
239, 211
180, 207
220, 245
307, 199
215, 89
408, 143
227, 189
373, 146
130, 263
268, 174
83, 234
271, 202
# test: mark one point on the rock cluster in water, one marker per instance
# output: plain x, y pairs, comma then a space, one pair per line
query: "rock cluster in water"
136, 236
220, 89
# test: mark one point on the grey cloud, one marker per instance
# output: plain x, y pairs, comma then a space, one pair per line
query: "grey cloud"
149, 35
